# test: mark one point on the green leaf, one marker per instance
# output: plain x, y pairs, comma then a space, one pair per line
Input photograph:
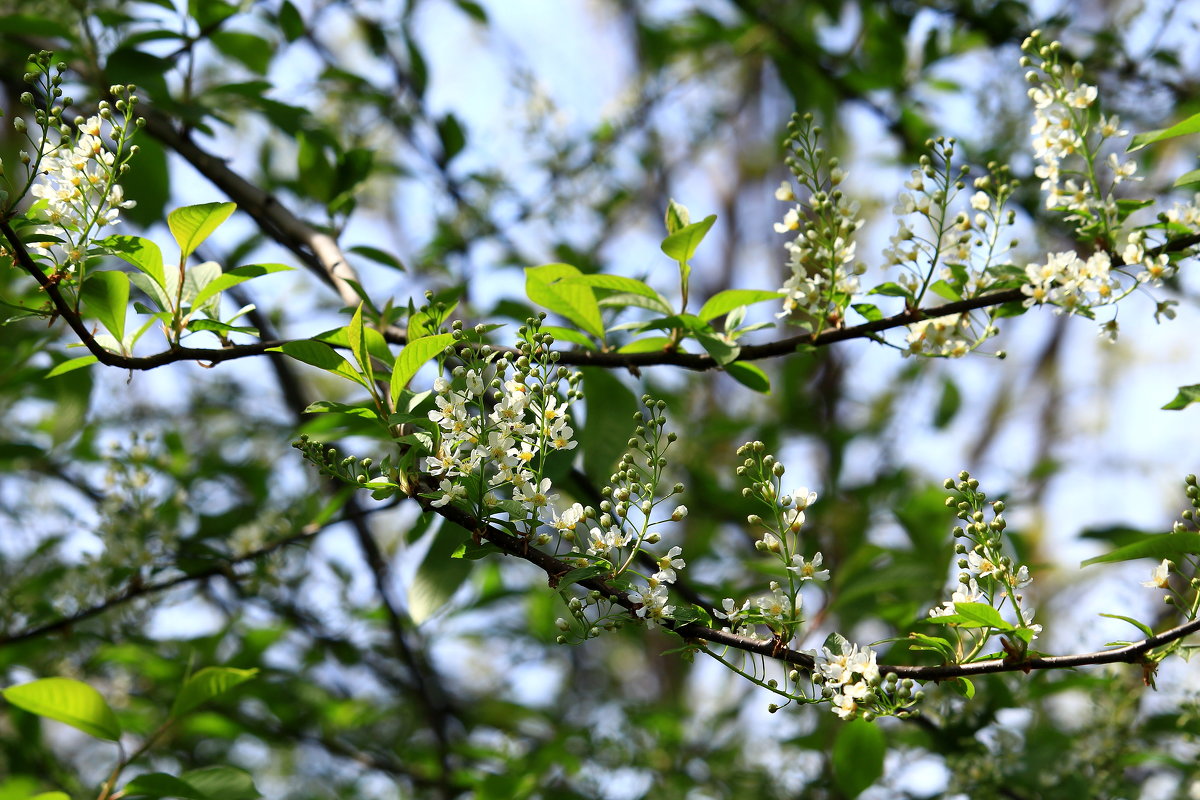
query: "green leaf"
138, 252
749, 375
453, 138
69, 701
610, 407
869, 311
414, 356
254, 52
965, 687
160, 298
1154, 545
378, 256
319, 354
206, 684
191, 225
290, 21
569, 335
583, 573
681, 245
473, 10
891, 290
160, 784
677, 217
722, 303
314, 167
576, 302
222, 783
439, 575
723, 352
1187, 395
106, 295
195, 281
857, 757
1186, 127
358, 344
625, 286
948, 404
72, 364
1141, 626
945, 290
1188, 178
232, 278
974, 615
650, 344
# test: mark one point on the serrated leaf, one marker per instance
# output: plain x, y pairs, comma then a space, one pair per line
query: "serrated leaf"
106, 295
722, 303
191, 225
206, 684
1155, 545
69, 701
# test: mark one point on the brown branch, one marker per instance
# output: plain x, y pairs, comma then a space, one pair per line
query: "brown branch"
318, 251
555, 568
135, 590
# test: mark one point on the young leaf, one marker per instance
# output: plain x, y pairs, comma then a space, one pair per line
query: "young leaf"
413, 357
69, 701
857, 757
1153, 545
191, 225
106, 294
681, 245
544, 286
358, 344
72, 364
206, 684
677, 217
1141, 626
723, 302
232, 278
140, 253
1187, 395
722, 351
1186, 127
319, 354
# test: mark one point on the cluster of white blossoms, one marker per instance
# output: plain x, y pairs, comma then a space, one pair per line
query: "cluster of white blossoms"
821, 257
951, 336
850, 677
497, 434
1072, 283
76, 183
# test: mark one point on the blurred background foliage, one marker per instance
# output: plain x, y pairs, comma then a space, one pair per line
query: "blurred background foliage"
451, 143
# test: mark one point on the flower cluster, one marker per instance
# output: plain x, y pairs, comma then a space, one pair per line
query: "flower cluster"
495, 434
781, 610
75, 178
988, 575
850, 680
951, 336
824, 273
1068, 133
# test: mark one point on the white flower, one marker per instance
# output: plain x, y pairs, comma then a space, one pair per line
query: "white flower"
791, 221
450, 492
1161, 573
536, 496
983, 567
784, 192
669, 563
980, 201
808, 570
